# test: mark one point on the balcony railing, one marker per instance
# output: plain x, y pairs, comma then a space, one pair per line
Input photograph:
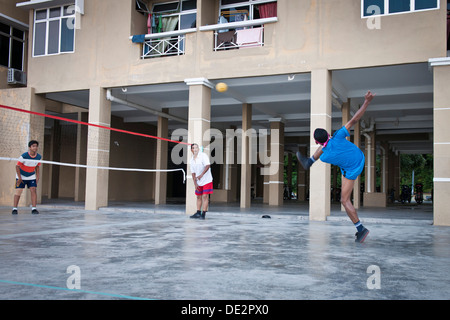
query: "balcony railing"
164, 43
241, 38
242, 34
232, 35
163, 47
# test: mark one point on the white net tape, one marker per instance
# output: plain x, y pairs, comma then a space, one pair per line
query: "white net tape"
97, 167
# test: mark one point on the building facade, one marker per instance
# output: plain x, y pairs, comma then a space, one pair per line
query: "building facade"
290, 65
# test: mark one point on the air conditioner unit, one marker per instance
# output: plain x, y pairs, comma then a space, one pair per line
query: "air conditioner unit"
16, 76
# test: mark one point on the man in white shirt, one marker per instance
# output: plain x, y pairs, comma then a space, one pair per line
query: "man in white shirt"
202, 177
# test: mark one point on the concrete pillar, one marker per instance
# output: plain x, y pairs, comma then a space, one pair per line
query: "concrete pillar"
36, 132
319, 195
246, 167
161, 160
198, 129
301, 178
370, 163
372, 198
289, 174
384, 167
266, 176
276, 181
397, 174
98, 150
54, 153
441, 150
80, 158
230, 167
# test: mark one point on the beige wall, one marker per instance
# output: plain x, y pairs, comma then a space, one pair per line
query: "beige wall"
128, 151
307, 36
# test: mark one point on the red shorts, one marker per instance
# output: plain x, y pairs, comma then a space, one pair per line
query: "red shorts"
206, 189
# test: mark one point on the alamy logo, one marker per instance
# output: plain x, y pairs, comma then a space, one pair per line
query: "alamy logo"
74, 280
74, 20
374, 21
263, 147
374, 280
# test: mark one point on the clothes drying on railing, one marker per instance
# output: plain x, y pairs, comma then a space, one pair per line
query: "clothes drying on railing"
249, 37
222, 19
226, 37
225, 40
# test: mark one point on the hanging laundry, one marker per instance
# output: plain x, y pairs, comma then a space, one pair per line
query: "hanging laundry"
249, 37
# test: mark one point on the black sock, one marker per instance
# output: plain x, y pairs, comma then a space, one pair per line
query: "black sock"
359, 226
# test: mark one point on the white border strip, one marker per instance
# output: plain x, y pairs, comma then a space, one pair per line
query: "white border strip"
441, 180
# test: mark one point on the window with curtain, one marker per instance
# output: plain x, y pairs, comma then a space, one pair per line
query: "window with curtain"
238, 10
385, 7
171, 16
12, 43
54, 31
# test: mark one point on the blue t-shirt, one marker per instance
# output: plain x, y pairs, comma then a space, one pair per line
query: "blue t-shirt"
344, 154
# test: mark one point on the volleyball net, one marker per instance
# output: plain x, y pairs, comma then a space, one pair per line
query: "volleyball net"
70, 145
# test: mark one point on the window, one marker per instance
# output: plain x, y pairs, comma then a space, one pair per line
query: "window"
385, 7
243, 35
171, 16
54, 31
238, 10
12, 44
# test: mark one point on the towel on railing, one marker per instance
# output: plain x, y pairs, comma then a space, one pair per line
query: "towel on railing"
249, 37
226, 37
138, 38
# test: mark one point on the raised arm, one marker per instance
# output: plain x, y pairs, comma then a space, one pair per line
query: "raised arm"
358, 115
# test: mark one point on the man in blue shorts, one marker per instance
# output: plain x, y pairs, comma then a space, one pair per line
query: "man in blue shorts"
338, 151
27, 174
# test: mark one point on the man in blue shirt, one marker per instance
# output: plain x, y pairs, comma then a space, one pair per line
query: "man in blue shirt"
338, 151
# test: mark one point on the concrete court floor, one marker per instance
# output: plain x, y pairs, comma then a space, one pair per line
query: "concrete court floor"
134, 251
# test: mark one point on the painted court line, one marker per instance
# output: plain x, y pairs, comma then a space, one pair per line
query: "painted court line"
73, 290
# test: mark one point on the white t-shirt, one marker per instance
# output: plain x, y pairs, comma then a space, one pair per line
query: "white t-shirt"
198, 165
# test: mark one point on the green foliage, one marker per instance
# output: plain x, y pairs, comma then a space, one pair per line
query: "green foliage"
423, 169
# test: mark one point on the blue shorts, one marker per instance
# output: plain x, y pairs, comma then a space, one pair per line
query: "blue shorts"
353, 173
28, 183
